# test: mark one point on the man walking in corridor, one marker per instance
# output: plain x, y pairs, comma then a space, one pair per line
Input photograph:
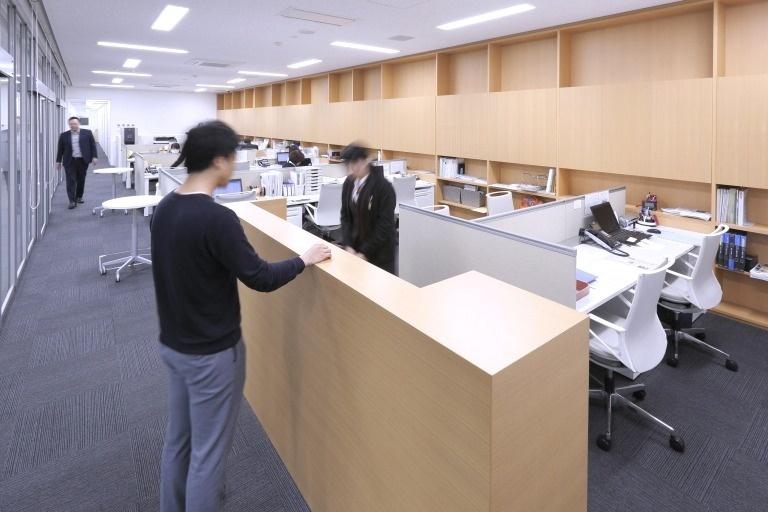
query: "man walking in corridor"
76, 151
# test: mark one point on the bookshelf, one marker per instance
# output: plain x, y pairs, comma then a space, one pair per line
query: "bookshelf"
670, 100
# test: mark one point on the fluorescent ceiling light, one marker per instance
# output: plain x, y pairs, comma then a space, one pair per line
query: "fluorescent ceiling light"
131, 63
304, 63
355, 46
169, 17
113, 85
119, 73
117, 80
140, 47
236, 80
488, 16
261, 73
201, 89
214, 86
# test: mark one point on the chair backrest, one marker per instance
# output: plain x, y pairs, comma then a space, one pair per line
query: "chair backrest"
405, 191
329, 205
644, 343
234, 197
440, 209
704, 289
499, 202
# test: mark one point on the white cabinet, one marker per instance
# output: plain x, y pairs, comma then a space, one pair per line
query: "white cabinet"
295, 215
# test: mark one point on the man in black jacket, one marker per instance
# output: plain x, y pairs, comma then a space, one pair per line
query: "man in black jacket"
77, 150
368, 210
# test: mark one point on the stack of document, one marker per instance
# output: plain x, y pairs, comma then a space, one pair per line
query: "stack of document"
684, 212
731, 205
298, 178
272, 183
449, 167
760, 271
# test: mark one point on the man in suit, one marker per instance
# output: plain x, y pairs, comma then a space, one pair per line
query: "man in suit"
77, 150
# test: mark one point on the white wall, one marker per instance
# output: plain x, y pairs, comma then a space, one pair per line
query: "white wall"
153, 113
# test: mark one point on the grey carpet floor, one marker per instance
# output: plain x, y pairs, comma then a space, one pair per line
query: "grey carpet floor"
82, 401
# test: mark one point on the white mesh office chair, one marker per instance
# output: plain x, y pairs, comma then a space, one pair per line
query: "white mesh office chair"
627, 333
692, 289
234, 197
440, 209
326, 216
499, 202
405, 191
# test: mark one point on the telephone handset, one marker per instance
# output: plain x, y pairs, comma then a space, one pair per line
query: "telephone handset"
603, 240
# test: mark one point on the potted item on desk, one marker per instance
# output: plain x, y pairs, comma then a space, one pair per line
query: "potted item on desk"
647, 217
651, 202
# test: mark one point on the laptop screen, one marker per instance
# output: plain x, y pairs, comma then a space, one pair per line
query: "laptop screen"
604, 216
235, 185
282, 157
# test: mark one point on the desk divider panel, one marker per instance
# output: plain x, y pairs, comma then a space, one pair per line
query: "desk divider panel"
435, 247
556, 221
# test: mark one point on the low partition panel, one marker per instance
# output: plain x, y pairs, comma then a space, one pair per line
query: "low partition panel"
380, 396
435, 247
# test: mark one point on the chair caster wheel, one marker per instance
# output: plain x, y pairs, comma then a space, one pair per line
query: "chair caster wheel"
732, 365
672, 361
604, 443
677, 443
117, 279
639, 394
103, 272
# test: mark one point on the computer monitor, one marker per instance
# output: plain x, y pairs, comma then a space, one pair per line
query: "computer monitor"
235, 185
604, 216
282, 157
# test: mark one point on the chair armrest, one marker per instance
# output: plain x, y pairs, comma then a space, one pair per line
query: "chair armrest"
311, 212
606, 323
681, 276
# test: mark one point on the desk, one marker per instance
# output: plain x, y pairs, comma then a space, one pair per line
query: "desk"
616, 274
131, 257
114, 171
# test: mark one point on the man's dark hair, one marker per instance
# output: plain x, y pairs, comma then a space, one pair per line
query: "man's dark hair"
353, 153
296, 157
73, 117
205, 142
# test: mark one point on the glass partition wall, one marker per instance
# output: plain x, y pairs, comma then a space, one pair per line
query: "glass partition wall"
32, 111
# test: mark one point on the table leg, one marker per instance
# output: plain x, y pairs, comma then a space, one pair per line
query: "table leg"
134, 257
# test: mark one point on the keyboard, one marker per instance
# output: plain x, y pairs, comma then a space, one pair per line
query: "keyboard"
622, 235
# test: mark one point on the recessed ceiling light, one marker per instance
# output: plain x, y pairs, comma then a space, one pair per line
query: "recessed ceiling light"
119, 73
368, 48
201, 89
169, 17
131, 63
304, 63
236, 80
140, 47
488, 16
215, 86
260, 73
117, 80
113, 85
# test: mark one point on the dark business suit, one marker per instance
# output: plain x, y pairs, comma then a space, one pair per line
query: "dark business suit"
75, 168
368, 225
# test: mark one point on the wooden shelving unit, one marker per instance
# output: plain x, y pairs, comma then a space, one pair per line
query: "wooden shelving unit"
670, 100
480, 211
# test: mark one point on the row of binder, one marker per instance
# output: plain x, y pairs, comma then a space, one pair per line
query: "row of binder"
449, 167
732, 205
733, 251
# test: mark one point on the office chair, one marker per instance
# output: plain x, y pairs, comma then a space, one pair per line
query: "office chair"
628, 334
326, 216
499, 202
440, 209
405, 191
234, 197
685, 295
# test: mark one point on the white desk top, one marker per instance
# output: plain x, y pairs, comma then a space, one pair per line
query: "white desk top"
617, 274
131, 202
113, 170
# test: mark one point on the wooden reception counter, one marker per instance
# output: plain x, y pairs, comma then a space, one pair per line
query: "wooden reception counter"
466, 395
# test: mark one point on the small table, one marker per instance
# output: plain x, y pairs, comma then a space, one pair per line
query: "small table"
132, 257
114, 171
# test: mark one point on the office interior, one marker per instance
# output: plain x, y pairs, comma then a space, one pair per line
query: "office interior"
578, 317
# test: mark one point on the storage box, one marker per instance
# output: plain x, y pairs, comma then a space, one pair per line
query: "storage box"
473, 198
451, 193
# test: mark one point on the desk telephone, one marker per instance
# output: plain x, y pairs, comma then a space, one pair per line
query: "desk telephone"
603, 240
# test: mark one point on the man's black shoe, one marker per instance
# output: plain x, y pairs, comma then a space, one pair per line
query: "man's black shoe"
80, 200
72, 204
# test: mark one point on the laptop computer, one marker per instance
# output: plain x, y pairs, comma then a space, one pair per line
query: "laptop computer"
606, 218
235, 185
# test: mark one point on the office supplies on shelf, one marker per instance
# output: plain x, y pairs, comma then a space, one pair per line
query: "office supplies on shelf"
732, 251
760, 271
685, 212
551, 181
449, 167
731, 205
